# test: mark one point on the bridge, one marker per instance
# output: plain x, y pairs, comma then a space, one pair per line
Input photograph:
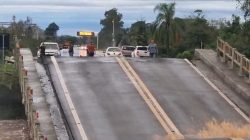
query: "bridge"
108, 98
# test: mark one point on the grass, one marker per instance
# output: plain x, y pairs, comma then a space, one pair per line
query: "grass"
168, 137
10, 94
225, 129
10, 104
8, 75
214, 129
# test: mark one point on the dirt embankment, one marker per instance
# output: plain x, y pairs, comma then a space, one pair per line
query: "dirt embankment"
13, 130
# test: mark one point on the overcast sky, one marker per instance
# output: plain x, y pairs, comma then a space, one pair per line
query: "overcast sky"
75, 15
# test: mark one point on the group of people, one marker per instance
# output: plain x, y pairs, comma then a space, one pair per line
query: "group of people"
90, 50
152, 48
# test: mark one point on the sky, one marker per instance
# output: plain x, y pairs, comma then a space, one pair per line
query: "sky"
85, 15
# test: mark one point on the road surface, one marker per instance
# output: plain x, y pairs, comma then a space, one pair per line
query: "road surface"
110, 108
185, 96
107, 103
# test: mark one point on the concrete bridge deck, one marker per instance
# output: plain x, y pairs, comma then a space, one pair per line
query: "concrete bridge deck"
109, 107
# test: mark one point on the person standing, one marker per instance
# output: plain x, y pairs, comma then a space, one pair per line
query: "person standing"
91, 49
42, 54
42, 50
152, 49
71, 50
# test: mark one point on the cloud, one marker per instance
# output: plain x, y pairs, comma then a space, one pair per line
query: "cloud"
85, 14
77, 3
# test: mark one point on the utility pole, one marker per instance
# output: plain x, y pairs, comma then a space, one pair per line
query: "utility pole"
3, 47
37, 35
113, 34
97, 42
201, 44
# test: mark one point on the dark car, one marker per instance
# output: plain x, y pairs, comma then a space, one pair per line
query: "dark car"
127, 50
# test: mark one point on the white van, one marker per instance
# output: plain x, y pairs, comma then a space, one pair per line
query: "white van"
51, 48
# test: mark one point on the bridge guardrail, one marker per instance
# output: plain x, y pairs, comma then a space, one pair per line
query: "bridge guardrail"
31, 112
236, 59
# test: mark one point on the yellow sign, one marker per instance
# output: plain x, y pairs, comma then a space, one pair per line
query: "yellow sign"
85, 33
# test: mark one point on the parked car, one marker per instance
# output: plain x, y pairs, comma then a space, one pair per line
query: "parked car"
127, 50
51, 48
140, 51
112, 51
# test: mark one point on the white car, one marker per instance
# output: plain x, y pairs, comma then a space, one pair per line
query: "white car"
51, 48
140, 51
112, 51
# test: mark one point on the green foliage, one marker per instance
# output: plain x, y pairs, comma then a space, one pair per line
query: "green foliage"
105, 35
33, 44
8, 75
10, 95
10, 104
51, 31
164, 30
199, 33
177, 37
71, 39
245, 7
237, 35
186, 54
138, 33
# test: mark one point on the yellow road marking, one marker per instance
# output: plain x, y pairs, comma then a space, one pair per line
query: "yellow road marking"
154, 106
69, 100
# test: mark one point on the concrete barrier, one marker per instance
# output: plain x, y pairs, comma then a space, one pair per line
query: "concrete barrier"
236, 59
36, 108
230, 78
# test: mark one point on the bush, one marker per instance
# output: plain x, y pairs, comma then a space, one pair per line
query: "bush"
185, 54
11, 103
33, 44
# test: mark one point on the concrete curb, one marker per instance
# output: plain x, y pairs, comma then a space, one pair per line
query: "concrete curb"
56, 115
36, 108
226, 78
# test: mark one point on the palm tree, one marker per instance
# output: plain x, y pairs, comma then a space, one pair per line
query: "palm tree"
164, 23
245, 7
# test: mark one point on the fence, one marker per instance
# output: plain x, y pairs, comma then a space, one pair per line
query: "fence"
31, 112
231, 55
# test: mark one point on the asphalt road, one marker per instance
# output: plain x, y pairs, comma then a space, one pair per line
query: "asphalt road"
110, 108
65, 52
107, 103
184, 95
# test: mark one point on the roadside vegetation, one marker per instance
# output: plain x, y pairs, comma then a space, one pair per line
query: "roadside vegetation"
178, 37
215, 129
175, 36
10, 97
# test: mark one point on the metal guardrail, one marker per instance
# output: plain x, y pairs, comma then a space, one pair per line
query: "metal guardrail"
235, 58
32, 115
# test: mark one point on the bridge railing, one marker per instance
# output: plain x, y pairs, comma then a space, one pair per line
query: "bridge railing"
232, 56
32, 115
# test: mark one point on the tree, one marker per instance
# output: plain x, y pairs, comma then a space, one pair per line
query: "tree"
198, 31
51, 31
232, 31
19, 28
138, 33
245, 6
199, 14
125, 37
71, 39
164, 22
150, 29
237, 34
105, 35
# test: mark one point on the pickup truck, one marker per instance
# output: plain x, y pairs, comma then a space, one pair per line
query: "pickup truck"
51, 49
